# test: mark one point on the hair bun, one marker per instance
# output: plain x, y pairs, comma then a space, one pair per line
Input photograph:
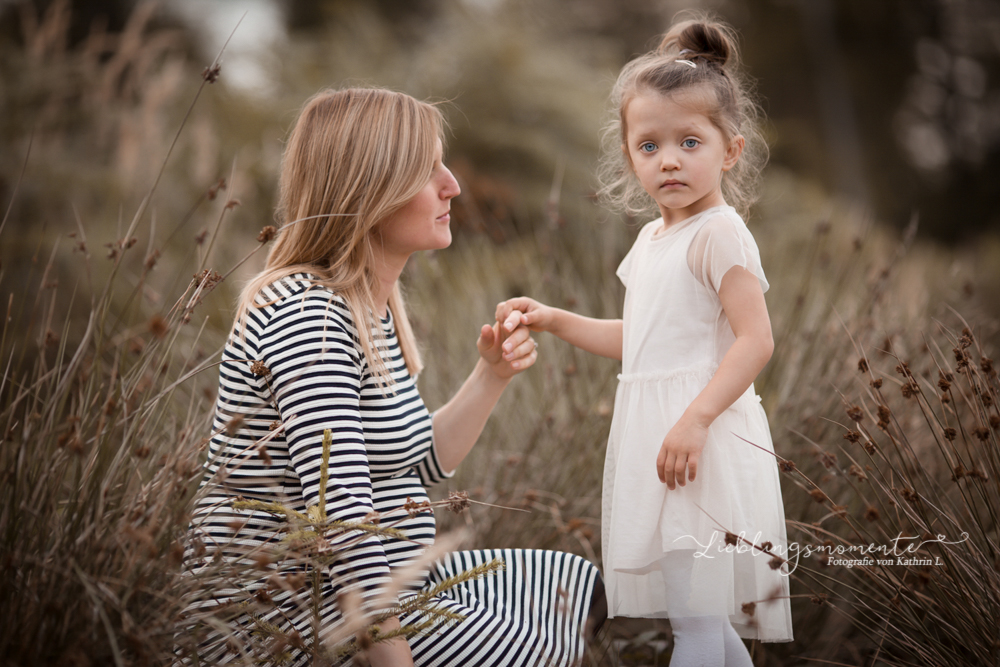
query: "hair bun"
712, 41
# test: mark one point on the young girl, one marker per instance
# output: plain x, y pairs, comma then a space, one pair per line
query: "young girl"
681, 471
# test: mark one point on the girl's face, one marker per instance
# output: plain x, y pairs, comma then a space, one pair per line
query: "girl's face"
423, 222
677, 153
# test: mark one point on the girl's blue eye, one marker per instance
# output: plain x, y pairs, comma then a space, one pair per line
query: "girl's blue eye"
647, 147
690, 143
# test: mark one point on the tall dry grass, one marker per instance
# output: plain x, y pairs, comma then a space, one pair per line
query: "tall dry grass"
107, 378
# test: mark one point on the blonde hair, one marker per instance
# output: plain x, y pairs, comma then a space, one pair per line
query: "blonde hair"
354, 157
712, 47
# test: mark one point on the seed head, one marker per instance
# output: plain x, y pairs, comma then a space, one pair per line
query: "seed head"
818, 495
264, 454
258, 368
213, 191
458, 501
852, 436
872, 513
267, 233
945, 380
828, 460
413, 508
982, 433
786, 465
877, 383
775, 563
157, 326
748, 608
856, 471
234, 425
863, 365
855, 413
731, 539
211, 73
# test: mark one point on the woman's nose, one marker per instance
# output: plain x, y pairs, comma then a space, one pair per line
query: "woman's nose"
450, 187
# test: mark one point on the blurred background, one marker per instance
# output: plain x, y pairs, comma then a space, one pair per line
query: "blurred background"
892, 106
879, 228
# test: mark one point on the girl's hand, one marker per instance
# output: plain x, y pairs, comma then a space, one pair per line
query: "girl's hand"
524, 311
679, 454
507, 353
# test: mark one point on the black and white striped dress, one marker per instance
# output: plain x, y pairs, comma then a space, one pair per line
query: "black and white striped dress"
297, 367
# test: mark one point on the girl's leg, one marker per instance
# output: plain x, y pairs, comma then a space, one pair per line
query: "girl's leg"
708, 641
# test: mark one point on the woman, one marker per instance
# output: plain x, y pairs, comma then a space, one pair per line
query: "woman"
322, 342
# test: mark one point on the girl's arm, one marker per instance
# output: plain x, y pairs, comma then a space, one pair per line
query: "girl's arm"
601, 337
743, 302
458, 423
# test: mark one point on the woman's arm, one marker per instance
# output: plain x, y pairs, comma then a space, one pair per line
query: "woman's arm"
392, 653
600, 337
743, 302
458, 423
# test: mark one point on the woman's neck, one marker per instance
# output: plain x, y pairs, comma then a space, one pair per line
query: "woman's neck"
387, 271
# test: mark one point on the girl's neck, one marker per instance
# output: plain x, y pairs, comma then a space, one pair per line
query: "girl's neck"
673, 216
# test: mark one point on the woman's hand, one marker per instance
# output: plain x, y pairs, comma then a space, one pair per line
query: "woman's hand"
507, 353
679, 454
524, 311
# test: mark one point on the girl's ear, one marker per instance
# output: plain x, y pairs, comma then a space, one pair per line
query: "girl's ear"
628, 158
733, 152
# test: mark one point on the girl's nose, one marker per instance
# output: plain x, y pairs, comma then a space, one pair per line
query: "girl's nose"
669, 161
450, 187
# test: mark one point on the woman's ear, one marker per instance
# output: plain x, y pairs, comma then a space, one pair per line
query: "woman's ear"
733, 152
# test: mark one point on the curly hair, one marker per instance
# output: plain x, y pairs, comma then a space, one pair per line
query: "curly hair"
727, 101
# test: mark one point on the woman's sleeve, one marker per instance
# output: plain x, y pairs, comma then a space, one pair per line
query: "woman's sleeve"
315, 376
429, 469
721, 244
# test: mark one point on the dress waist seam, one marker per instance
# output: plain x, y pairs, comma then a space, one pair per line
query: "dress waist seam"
700, 371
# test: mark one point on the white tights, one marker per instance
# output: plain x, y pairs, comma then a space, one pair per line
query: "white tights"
699, 641
707, 641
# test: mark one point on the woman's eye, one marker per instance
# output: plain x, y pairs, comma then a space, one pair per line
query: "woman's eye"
647, 147
690, 143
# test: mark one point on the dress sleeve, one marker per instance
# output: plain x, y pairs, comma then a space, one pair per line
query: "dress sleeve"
429, 469
720, 244
625, 268
315, 378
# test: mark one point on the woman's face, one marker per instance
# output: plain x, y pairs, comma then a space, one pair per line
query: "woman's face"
423, 222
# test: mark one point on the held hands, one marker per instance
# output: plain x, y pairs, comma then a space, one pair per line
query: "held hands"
507, 351
524, 311
680, 452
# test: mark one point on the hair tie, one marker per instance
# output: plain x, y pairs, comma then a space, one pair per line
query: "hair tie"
687, 62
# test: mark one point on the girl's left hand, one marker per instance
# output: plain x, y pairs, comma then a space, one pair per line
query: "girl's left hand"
507, 353
679, 454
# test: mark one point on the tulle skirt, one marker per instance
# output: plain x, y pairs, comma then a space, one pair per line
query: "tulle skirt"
665, 552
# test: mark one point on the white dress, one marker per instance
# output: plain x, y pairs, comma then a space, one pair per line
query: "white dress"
664, 551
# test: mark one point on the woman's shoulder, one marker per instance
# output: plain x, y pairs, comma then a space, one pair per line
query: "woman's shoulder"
302, 297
